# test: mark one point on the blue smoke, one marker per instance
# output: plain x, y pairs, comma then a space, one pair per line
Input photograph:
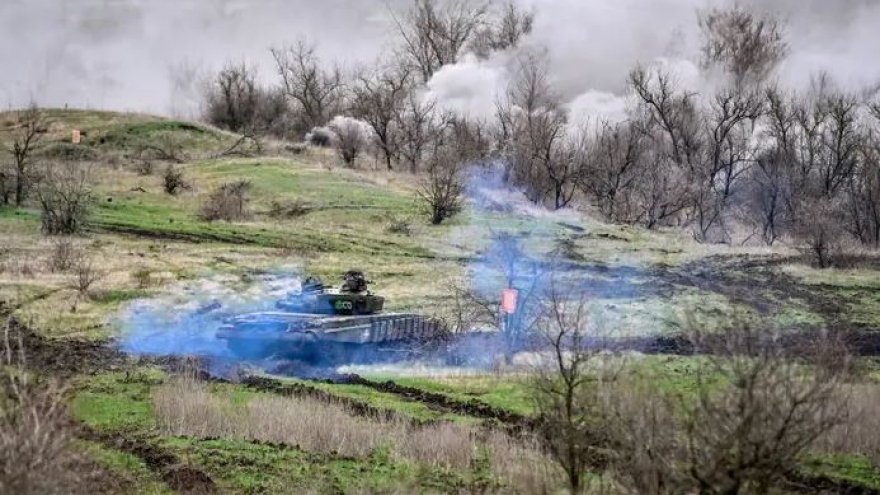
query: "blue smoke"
185, 320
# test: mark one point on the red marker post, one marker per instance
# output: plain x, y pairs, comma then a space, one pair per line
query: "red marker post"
508, 307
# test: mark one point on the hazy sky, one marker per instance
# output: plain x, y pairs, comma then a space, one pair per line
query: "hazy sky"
118, 54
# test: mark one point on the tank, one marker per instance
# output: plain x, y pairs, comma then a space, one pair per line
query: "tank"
318, 323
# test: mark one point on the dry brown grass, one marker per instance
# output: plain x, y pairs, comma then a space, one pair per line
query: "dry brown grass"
34, 452
186, 407
859, 433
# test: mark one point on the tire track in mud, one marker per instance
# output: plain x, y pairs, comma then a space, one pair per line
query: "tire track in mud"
180, 476
445, 403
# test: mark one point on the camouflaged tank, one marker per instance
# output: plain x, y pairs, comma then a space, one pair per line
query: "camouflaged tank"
318, 321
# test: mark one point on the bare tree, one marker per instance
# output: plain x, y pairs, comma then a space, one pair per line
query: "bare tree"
30, 126
442, 190
434, 33
728, 154
317, 91
65, 196
669, 121
504, 29
233, 98
566, 391
419, 126
746, 45
378, 99
536, 125
864, 188
613, 170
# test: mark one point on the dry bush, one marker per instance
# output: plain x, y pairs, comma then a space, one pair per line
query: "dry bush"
65, 195
288, 209
33, 440
186, 407
86, 273
819, 230
352, 138
165, 146
442, 190
173, 181
754, 410
228, 202
64, 255
400, 226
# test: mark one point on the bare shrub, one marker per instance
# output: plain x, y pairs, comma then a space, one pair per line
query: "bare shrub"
288, 209
173, 180
34, 445
819, 230
145, 166
65, 195
756, 407
29, 127
64, 254
442, 190
86, 273
164, 146
400, 226
352, 137
228, 202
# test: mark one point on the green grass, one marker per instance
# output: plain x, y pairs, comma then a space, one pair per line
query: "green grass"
855, 469
130, 468
508, 393
246, 467
385, 401
117, 402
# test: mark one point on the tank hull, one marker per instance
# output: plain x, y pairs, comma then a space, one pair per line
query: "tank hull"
301, 335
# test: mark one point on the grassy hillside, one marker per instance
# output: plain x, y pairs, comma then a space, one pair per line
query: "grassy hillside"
310, 214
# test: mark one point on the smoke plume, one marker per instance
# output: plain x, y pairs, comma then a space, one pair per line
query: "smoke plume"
147, 55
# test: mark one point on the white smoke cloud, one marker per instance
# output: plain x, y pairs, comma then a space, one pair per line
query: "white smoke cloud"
117, 54
593, 45
470, 87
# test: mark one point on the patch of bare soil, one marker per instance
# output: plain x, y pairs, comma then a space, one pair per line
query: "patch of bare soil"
180, 476
63, 358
